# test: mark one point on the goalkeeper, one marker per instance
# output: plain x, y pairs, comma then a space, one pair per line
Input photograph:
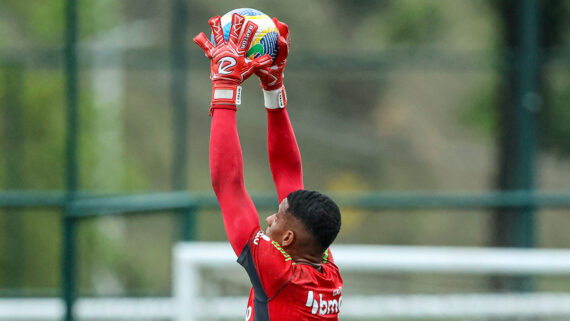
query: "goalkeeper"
290, 267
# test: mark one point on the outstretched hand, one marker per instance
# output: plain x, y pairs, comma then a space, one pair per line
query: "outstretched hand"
229, 67
272, 76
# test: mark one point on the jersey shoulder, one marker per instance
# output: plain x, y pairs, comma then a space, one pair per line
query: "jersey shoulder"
266, 263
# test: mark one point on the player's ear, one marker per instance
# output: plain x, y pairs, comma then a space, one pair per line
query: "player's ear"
288, 238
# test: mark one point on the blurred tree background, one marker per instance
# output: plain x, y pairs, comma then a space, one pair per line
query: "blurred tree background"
397, 95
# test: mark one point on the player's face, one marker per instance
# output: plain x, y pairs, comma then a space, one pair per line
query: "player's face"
276, 223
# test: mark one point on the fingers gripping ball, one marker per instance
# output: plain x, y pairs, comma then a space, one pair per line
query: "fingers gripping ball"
228, 66
265, 38
272, 77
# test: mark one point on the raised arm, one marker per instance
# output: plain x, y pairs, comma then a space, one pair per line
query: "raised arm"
228, 70
226, 171
284, 154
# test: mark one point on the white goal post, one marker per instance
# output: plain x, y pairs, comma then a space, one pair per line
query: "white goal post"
190, 258
193, 261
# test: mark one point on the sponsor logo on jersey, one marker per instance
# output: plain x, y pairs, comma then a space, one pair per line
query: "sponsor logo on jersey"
260, 235
263, 236
322, 306
337, 291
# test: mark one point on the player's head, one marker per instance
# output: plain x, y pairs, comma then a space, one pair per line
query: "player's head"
310, 218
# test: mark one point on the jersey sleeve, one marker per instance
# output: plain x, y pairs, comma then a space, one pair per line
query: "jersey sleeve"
284, 155
268, 266
226, 171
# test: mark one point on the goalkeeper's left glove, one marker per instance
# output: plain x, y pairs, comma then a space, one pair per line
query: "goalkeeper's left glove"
272, 77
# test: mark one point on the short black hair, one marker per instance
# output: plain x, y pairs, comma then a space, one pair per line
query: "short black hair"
319, 214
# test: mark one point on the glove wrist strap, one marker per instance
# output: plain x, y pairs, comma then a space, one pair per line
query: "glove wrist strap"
226, 94
275, 99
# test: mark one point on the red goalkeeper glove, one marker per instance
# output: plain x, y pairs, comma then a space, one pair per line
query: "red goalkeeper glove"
272, 76
228, 65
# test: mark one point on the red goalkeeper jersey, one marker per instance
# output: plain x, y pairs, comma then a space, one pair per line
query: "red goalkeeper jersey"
282, 289
287, 291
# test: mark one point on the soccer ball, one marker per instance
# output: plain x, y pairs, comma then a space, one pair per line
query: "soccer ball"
265, 38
